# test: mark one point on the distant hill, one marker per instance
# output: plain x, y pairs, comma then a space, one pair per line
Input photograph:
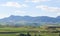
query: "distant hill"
28, 20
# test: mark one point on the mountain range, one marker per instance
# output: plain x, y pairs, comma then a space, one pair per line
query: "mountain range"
28, 20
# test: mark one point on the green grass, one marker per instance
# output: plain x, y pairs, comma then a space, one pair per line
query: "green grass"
50, 34
32, 34
7, 34
19, 29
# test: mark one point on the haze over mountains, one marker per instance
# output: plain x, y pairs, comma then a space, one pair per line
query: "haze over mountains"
28, 20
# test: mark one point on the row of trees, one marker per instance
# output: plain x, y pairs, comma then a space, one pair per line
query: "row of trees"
28, 34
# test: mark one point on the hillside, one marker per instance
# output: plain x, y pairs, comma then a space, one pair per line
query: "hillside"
28, 20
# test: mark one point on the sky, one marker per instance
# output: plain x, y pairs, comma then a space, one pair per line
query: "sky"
33, 8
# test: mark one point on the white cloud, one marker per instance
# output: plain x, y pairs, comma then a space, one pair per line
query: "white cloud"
48, 9
36, 1
58, 14
13, 4
24, 5
18, 12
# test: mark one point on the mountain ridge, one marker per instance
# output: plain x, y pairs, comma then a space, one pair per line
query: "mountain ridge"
28, 20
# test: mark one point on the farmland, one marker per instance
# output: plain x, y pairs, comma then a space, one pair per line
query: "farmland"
32, 30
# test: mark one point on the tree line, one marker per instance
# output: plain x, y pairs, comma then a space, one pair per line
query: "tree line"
28, 34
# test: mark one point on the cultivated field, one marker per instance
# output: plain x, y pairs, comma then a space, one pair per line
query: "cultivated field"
15, 31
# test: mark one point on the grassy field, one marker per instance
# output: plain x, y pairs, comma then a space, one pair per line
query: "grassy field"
33, 34
25, 30
8, 35
6, 29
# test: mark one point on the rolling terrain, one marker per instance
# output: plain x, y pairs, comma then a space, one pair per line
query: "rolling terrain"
29, 21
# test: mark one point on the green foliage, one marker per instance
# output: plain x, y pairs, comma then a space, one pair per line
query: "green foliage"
8, 35
27, 31
28, 34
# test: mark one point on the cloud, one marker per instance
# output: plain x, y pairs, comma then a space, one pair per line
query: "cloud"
18, 12
58, 13
24, 5
13, 4
36, 1
48, 9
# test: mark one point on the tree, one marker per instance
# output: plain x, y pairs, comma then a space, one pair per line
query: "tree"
28, 34
22, 34
59, 34
39, 35
35, 34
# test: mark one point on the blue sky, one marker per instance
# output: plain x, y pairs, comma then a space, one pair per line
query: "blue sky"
29, 8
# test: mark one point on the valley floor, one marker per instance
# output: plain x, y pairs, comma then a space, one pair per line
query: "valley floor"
18, 30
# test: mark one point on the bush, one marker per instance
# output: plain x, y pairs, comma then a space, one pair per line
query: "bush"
22, 34
28, 34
